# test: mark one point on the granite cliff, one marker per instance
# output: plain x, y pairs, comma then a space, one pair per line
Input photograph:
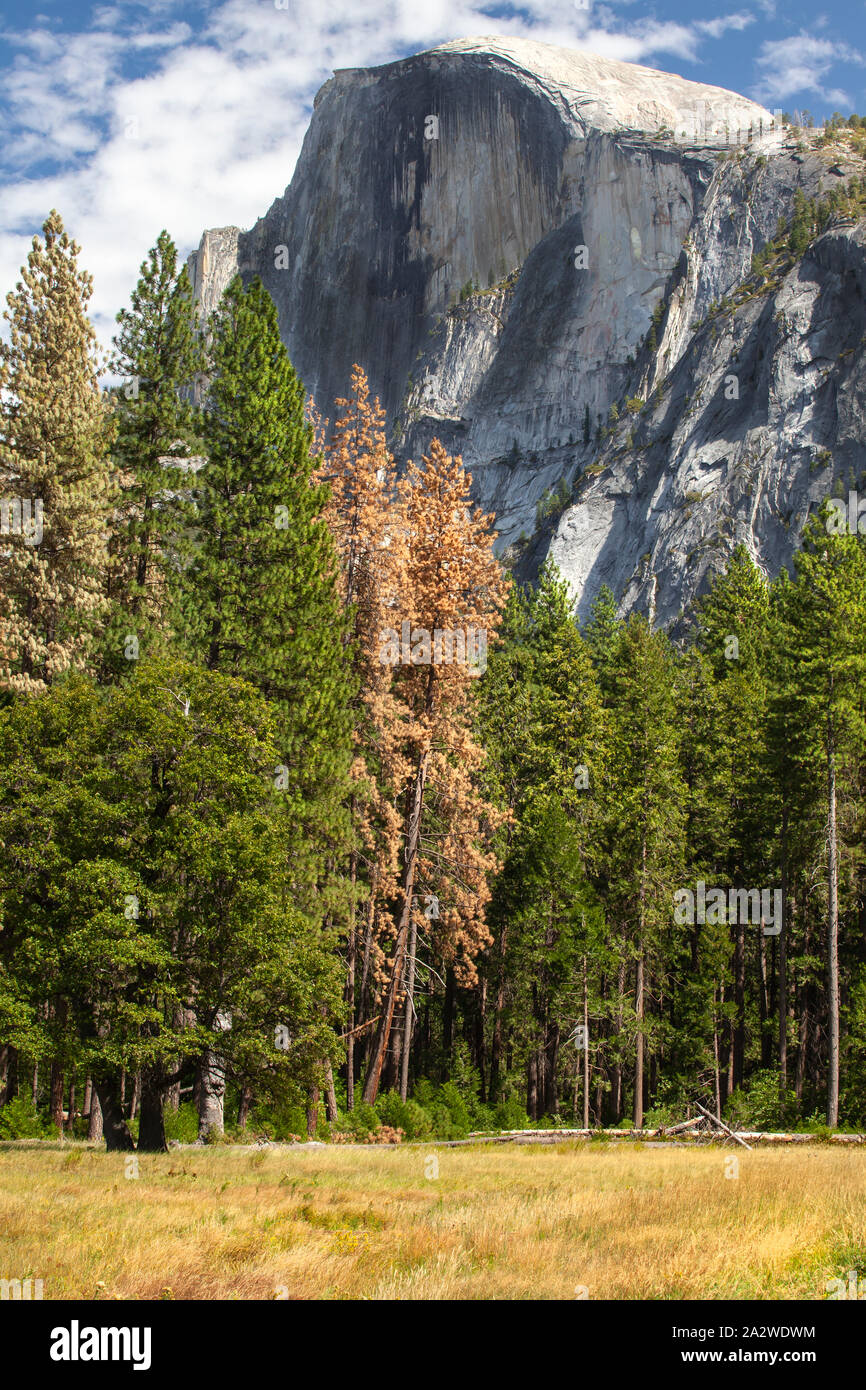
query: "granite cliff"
512, 238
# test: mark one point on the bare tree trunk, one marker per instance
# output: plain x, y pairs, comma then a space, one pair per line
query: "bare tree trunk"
639, 1006
391, 1070
244, 1105
211, 1109
717, 1079
639, 1044
136, 1095
803, 1043
330, 1094
832, 936
480, 1058
383, 1032
56, 1096
617, 1068
34, 1084
350, 1000
550, 1057
739, 1048
94, 1126
366, 1010
71, 1110
212, 1092
115, 1129
532, 1086
312, 1112
585, 1048
498, 1007
448, 1010
783, 963
764, 1003
151, 1124
409, 1007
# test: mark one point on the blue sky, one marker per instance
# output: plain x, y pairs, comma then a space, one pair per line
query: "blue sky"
129, 117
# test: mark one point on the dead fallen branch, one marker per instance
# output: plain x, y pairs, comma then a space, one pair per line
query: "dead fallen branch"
714, 1119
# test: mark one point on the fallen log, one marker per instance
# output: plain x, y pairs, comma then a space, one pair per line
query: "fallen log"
688, 1129
684, 1126
716, 1121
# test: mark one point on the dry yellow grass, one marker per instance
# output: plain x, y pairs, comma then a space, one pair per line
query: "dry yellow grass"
624, 1221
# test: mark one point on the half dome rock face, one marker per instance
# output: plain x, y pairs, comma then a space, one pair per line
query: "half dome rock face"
495, 230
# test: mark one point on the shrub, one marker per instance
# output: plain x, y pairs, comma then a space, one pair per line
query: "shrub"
19, 1119
277, 1120
356, 1124
408, 1116
450, 1097
418, 1124
757, 1104
446, 1108
510, 1114
182, 1124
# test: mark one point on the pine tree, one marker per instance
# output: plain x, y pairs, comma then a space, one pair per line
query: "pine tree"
260, 596
148, 869
454, 589
733, 634
366, 516
55, 480
644, 792
701, 1001
800, 829
159, 354
826, 613
260, 601
542, 725
602, 636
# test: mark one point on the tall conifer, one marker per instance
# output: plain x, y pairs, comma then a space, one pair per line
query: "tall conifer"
158, 353
55, 480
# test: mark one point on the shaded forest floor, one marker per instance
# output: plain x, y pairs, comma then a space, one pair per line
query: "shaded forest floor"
618, 1221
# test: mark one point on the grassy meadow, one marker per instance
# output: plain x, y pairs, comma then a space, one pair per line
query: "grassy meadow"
620, 1220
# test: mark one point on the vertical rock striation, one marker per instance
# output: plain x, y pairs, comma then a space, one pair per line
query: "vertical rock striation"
488, 228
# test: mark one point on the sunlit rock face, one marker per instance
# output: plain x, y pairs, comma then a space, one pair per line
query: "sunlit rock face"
488, 227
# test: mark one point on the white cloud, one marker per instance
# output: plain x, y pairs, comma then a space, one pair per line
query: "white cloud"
210, 134
714, 28
800, 64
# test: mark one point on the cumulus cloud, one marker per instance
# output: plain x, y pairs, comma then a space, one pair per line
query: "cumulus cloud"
144, 122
